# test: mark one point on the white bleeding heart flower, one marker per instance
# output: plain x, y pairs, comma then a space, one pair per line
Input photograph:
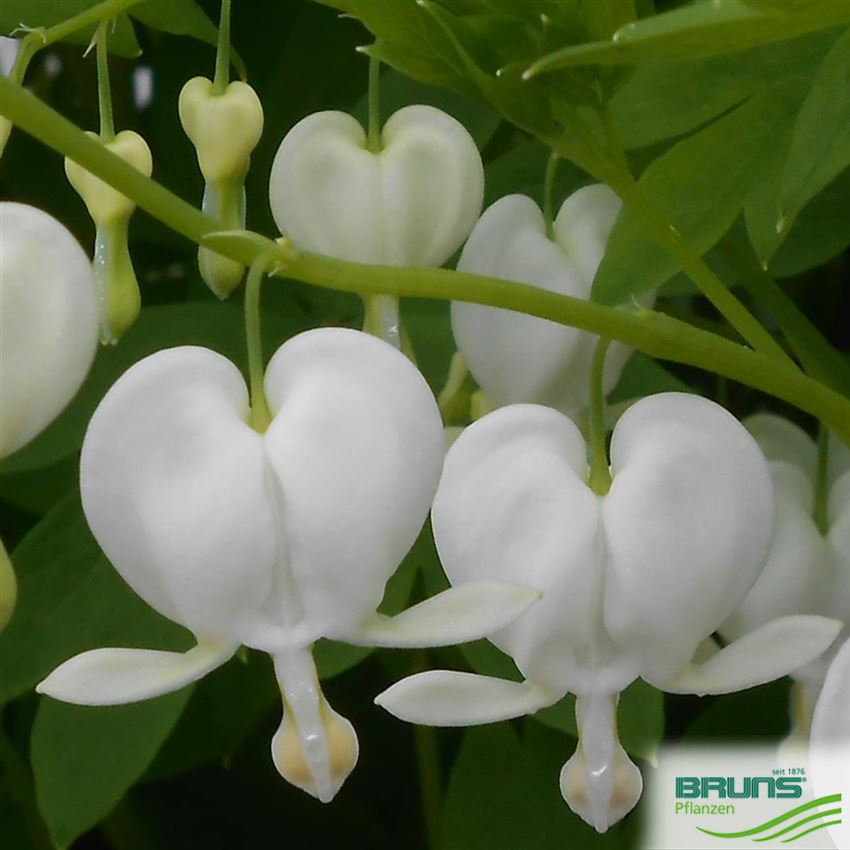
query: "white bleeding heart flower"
632, 582
48, 321
808, 570
270, 540
829, 746
517, 358
412, 203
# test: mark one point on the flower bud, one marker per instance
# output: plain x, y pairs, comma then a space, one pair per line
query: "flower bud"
111, 211
224, 128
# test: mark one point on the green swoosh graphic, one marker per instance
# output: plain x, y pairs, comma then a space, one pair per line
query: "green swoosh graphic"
799, 823
832, 798
813, 829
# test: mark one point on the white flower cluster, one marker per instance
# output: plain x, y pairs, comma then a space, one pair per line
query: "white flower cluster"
274, 539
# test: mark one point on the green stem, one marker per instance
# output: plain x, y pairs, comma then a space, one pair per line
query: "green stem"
663, 232
260, 415
222, 56
100, 12
809, 345
548, 192
373, 142
104, 91
653, 333
600, 472
428, 764
8, 587
821, 513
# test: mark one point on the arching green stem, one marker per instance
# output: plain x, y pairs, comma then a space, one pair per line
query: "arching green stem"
260, 415
666, 235
600, 473
222, 56
548, 192
104, 90
651, 332
373, 142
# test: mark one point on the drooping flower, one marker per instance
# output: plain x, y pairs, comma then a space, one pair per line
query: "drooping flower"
633, 581
808, 570
270, 540
517, 358
412, 203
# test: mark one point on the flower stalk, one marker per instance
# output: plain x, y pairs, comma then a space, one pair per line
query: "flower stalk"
651, 332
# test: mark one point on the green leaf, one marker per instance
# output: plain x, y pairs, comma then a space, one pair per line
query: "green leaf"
224, 708
45, 13
699, 186
644, 376
821, 231
703, 28
70, 599
503, 795
671, 97
179, 17
820, 145
85, 759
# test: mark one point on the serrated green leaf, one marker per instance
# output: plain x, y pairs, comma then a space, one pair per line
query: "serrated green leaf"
85, 759
699, 186
671, 97
46, 13
70, 599
702, 28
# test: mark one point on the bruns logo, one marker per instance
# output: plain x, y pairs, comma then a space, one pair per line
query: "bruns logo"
739, 788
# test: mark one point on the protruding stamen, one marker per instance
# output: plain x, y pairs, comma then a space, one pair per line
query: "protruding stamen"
314, 748
600, 783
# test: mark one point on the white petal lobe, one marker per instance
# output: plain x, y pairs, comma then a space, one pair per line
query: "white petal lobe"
450, 698
171, 478
771, 651
457, 615
117, 676
357, 446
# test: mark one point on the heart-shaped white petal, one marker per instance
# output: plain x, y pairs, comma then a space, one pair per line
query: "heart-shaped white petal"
271, 539
173, 484
411, 204
117, 676
517, 358
632, 581
48, 321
